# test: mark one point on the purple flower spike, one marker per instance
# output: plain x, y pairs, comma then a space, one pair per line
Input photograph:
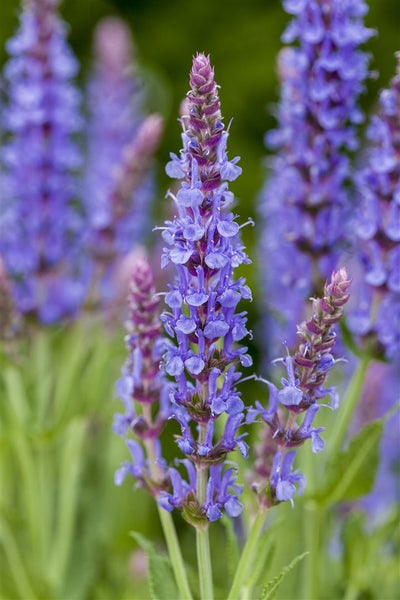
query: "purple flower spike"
301, 392
142, 389
121, 145
40, 225
109, 237
203, 243
305, 202
377, 225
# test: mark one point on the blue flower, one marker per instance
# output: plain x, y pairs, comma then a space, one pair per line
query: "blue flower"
203, 243
143, 385
305, 202
377, 225
300, 393
41, 225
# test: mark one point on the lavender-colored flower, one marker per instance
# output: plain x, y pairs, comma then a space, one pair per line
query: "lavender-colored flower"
40, 226
300, 392
204, 246
121, 146
377, 224
142, 388
109, 240
305, 201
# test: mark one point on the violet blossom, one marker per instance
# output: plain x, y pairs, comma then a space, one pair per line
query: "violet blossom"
376, 312
142, 388
305, 202
40, 219
128, 176
121, 145
202, 320
300, 393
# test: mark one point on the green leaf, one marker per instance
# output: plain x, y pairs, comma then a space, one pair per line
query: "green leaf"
160, 575
43, 365
370, 557
351, 473
20, 575
16, 400
271, 587
72, 360
70, 463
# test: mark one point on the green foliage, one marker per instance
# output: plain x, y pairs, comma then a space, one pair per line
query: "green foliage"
370, 557
351, 473
160, 575
272, 586
261, 565
55, 414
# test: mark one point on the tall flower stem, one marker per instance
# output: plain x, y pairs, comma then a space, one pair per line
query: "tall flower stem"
175, 553
202, 537
350, 400
167, 523
204, 563
248, 554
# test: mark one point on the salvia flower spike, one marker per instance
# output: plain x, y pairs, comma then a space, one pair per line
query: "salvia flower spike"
306, 202
142, 387
203, 244
108, 241
119, 181
377, 224
42, 227
300, 393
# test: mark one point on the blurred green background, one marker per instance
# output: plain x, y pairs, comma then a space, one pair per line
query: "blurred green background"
243, 38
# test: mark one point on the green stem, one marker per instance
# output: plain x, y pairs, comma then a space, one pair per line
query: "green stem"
175, 554
17, 569
70, 463
204, 563
45, 490
312, 525
348, 406
248, 555
202, 538
167, 522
